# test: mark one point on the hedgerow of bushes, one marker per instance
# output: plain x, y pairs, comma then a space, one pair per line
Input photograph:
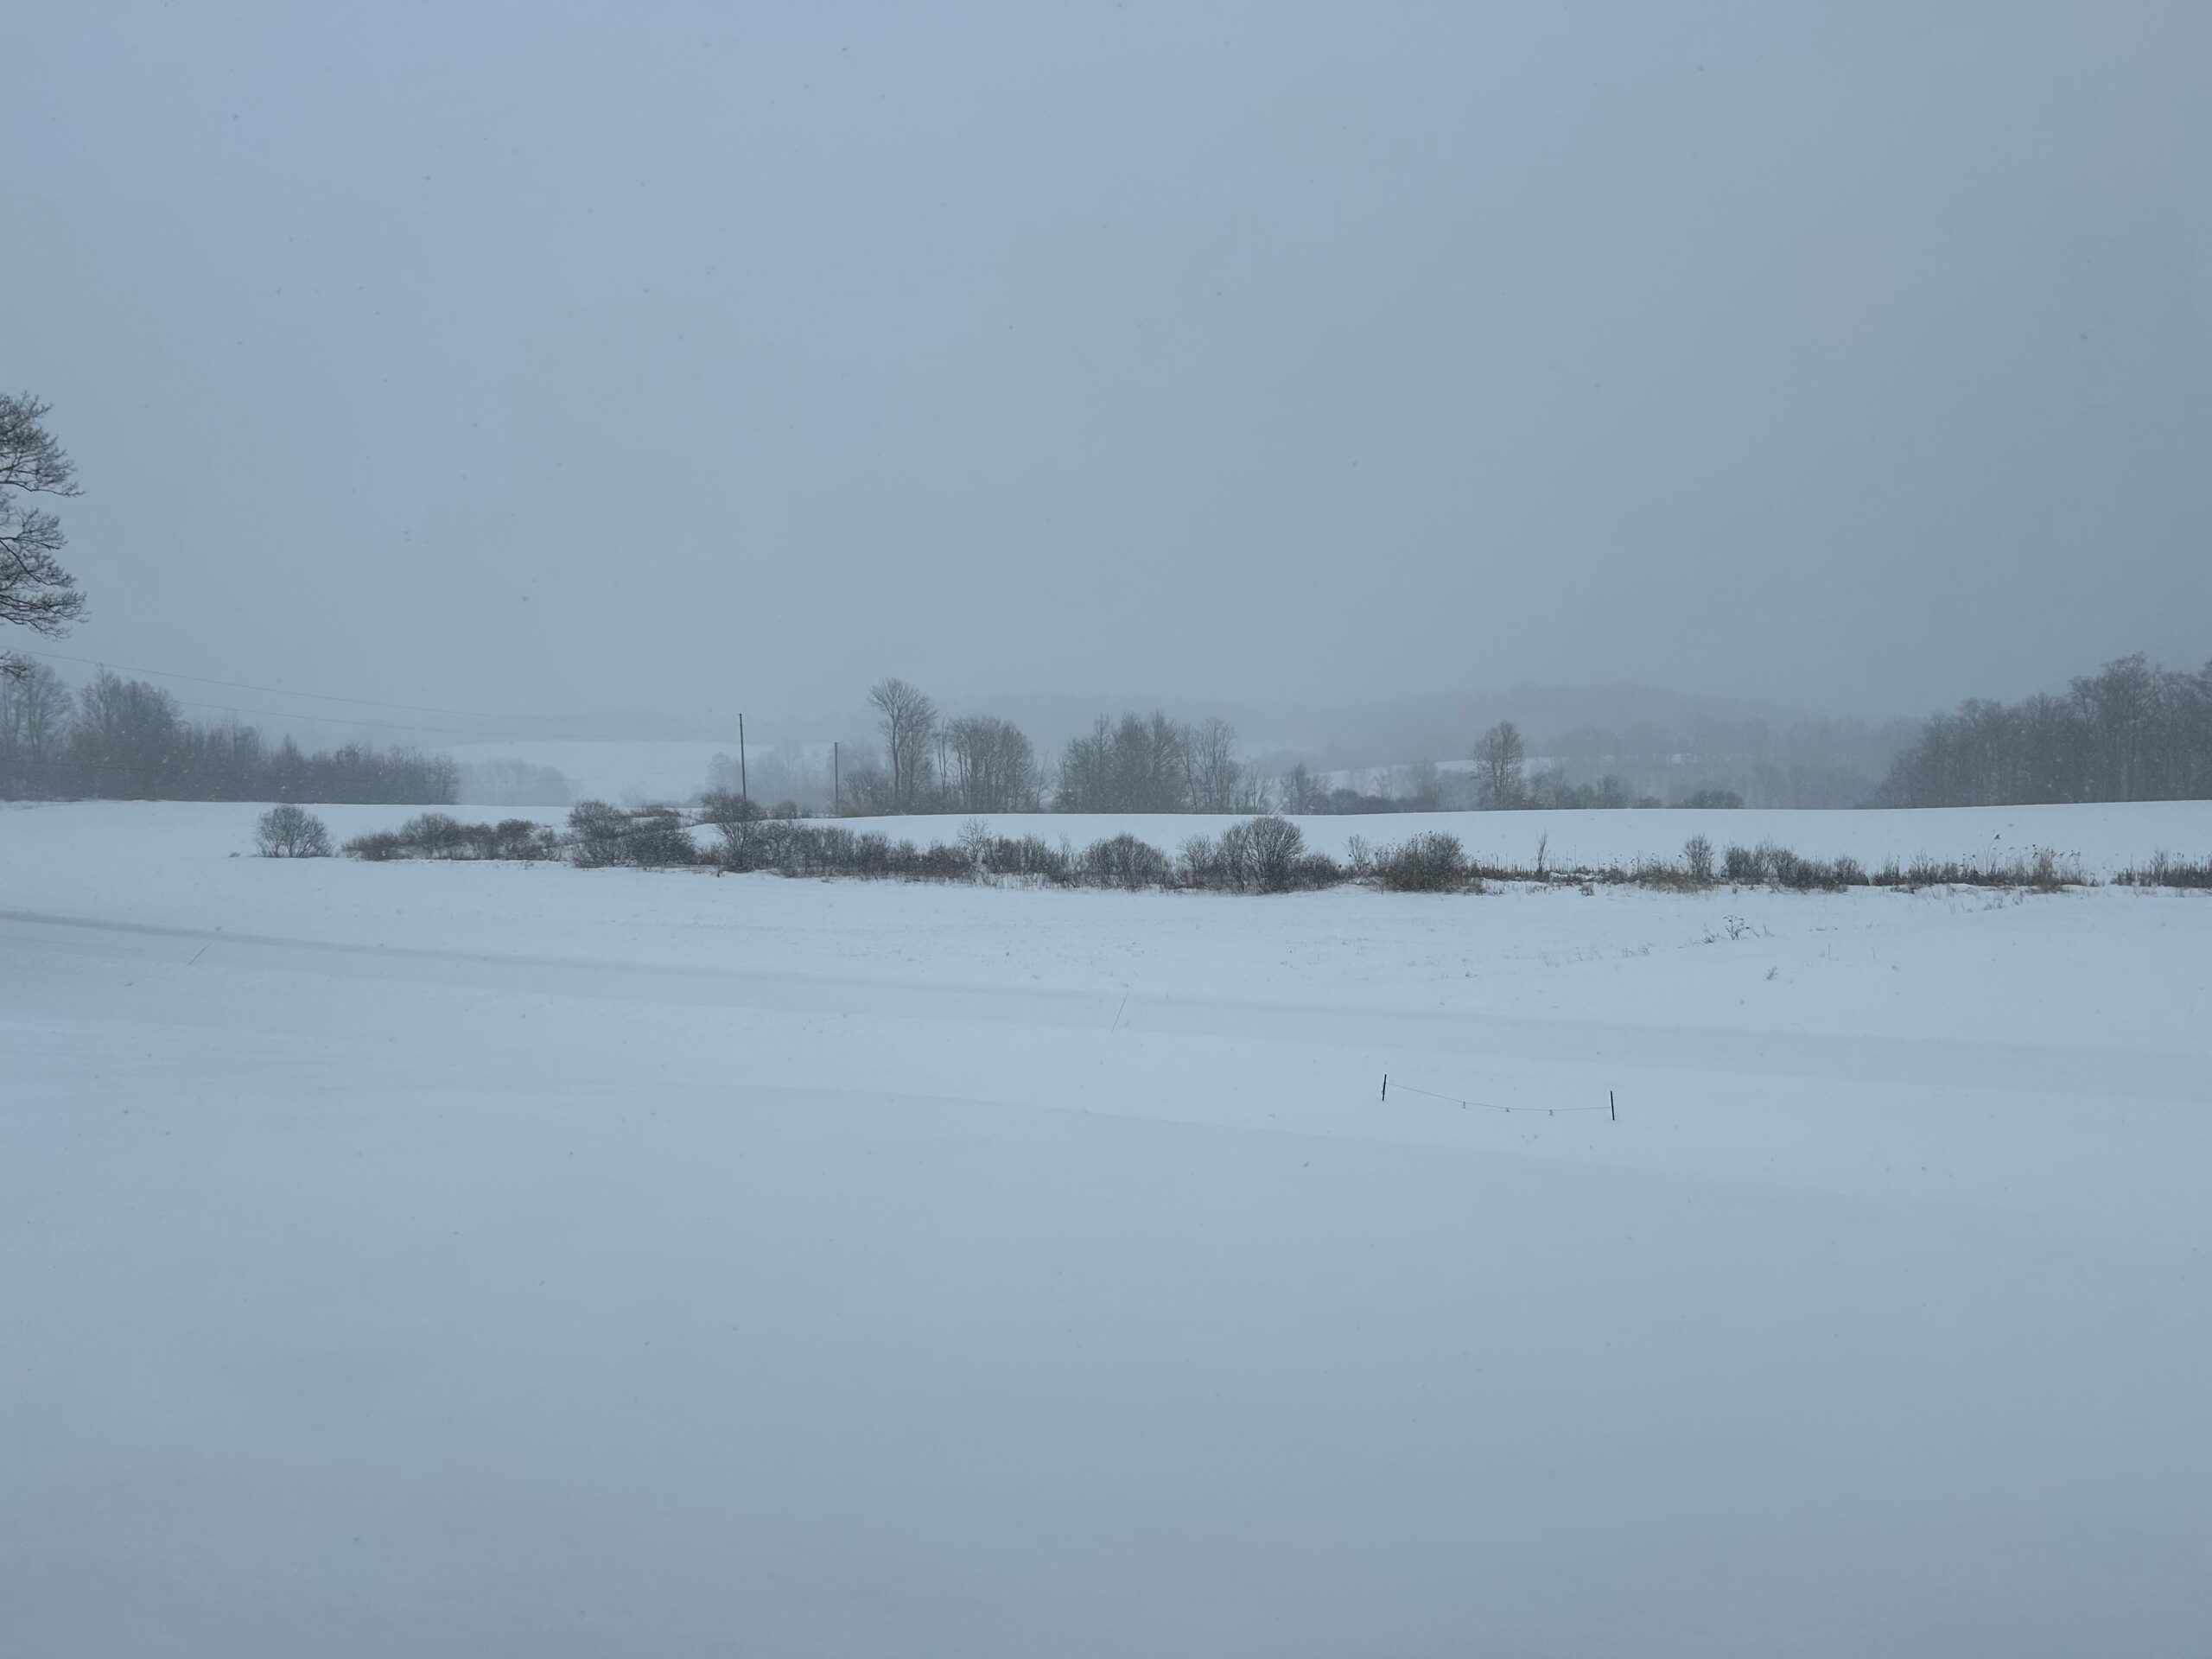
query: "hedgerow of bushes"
1262, 855
439, 835
2165, 871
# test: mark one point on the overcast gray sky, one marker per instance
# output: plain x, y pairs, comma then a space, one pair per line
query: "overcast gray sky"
535, 356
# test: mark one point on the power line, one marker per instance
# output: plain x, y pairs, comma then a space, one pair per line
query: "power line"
279, 691
336, 720
367, 722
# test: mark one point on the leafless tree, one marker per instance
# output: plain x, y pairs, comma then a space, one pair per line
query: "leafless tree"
1697, 859
2133, 731
1255, 793
507, 782
1170, 775
1217, 781
35, 713
1300, 791
782, 772
124, 744
35, 591
1082, 781
1424, 786
992, 767
1140, 764
1499, 758
907, 720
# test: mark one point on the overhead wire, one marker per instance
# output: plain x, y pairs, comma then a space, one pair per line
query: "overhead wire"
372, 724
282, 691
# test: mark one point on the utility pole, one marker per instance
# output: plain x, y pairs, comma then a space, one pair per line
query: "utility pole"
836, 783
744, 789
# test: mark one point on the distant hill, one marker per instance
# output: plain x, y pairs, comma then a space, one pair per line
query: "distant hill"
1438, 726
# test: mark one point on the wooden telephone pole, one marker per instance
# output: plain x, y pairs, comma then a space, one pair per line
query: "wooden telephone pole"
744, 789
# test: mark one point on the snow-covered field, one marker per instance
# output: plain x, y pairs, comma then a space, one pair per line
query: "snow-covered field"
490, 1259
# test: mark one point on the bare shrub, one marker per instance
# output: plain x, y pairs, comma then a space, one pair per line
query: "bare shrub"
976, 844
2039, 869
658, 838
1359, 857
2163, 870
652, 837
1783, 866
288, 831
1262, 855
1201, 864
732, 817
595, 833
1030, 858
1430, 862
798, 850
1126, 862
935, 863
1697, 859
435, 835
439, 835
1657, 873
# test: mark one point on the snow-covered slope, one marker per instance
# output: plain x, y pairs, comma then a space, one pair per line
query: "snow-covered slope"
491, 1260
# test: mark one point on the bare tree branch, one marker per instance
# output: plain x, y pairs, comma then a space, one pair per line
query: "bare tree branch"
35, 591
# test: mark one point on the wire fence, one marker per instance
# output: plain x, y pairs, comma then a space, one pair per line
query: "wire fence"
1611, 1108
